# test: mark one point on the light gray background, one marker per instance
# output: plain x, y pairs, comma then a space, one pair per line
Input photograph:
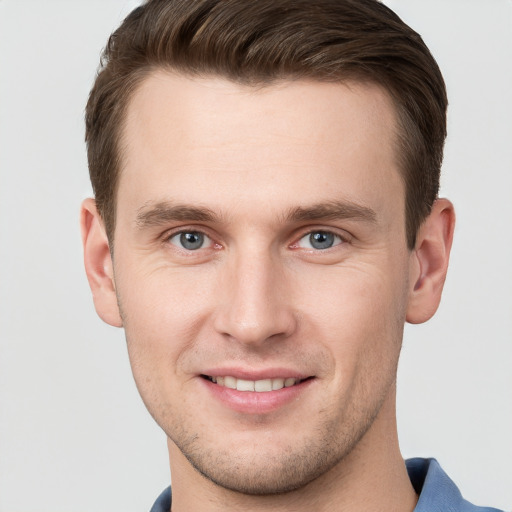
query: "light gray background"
74, 435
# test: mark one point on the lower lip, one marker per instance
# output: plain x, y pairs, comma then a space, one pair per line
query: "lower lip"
253, 402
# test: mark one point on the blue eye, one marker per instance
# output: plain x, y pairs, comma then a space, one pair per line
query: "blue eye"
320, 240
190, 240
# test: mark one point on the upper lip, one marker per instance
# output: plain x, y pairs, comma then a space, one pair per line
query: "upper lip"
255, 374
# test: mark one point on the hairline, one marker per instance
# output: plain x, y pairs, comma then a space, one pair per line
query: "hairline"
143, 74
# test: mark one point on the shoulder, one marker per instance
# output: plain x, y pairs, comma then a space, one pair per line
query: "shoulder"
437, 492
163, 502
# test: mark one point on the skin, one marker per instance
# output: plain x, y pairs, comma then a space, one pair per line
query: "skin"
257, 171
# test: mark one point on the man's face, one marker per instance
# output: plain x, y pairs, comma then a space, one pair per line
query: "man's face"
260, 243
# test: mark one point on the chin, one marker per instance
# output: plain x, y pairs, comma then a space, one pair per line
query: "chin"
264, 476
267, 468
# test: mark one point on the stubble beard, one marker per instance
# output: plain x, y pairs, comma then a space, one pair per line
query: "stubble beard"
260, 473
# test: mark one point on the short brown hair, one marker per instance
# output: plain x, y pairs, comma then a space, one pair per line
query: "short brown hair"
259, 42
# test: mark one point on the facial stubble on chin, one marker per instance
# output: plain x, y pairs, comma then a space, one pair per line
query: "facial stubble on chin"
294, 467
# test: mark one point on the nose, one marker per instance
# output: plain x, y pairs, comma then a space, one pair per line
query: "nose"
255, 304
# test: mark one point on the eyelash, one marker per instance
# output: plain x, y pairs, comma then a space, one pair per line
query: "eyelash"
169, 236
338, 239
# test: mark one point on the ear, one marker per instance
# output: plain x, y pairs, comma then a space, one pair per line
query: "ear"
98, 264
429, 262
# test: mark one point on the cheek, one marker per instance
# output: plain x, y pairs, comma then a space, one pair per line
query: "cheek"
357, 313
163, 312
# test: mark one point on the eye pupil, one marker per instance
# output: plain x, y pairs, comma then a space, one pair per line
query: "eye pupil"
192, 240
321, 240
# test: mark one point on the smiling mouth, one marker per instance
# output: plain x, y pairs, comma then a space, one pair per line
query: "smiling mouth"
259, 386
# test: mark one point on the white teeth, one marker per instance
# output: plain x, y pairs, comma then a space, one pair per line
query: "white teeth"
289, 382
277, 384
244, 385
230, 382
263, 385
260, 386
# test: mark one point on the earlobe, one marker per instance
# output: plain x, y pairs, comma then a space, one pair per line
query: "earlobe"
98, 264
429, 262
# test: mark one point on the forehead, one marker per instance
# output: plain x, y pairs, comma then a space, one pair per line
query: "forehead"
215, 141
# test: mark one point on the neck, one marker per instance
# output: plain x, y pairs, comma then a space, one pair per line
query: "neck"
372, 477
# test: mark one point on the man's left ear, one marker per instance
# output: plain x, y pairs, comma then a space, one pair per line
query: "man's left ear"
429, 262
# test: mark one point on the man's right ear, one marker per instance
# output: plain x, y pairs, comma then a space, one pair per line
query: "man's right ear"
98, 264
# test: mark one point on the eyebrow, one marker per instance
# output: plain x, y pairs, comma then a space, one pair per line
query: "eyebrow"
156, 214
332, 210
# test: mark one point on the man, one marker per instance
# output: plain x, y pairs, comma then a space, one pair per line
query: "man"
265, 221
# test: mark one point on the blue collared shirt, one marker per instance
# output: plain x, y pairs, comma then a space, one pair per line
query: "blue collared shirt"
437, 492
